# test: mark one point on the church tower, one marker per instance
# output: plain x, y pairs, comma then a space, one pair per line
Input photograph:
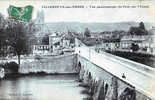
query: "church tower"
40, 17
40, 23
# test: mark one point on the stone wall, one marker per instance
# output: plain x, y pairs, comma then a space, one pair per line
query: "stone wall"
105, 86
57, 64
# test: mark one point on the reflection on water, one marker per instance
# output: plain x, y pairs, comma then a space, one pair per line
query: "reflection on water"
46, 87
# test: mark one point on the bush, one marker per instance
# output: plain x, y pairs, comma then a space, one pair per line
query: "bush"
12, 67
134, 47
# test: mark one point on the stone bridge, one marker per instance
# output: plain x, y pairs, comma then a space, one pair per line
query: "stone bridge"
114, 78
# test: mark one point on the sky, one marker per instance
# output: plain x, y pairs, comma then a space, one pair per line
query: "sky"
88, 14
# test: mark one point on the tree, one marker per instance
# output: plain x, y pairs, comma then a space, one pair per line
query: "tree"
87, 33
140, 30
141, 26
12, 66
3, 42
134, 47
2, 21
17, 36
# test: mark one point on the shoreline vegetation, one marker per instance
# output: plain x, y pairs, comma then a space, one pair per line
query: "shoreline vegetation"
145, 59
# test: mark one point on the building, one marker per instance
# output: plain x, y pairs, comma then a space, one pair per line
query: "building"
108, 44
144, 43
151, 40
55, 43
111, 44
127, 40
41, 49
38, 47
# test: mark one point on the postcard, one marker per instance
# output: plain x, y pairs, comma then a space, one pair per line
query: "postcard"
77, 50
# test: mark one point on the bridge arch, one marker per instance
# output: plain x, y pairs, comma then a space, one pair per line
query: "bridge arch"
79, 67
128, 94
106, 88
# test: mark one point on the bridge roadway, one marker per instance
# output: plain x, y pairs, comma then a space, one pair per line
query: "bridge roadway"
140, 76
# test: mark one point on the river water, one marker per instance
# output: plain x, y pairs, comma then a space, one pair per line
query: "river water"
41, 87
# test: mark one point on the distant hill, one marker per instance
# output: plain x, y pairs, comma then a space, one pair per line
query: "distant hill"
93, 27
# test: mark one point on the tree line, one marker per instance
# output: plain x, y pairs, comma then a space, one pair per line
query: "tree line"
14, 37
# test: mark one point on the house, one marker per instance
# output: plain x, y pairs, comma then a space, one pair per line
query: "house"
55, 42
111, 44
106, 34
151, 40
38, 47
143, 41
41, 49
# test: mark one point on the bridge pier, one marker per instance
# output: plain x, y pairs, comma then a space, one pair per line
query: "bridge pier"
114, 86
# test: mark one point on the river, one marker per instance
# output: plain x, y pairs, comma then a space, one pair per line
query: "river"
41, 87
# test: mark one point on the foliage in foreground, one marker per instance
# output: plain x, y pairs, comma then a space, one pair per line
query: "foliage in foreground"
10, 67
